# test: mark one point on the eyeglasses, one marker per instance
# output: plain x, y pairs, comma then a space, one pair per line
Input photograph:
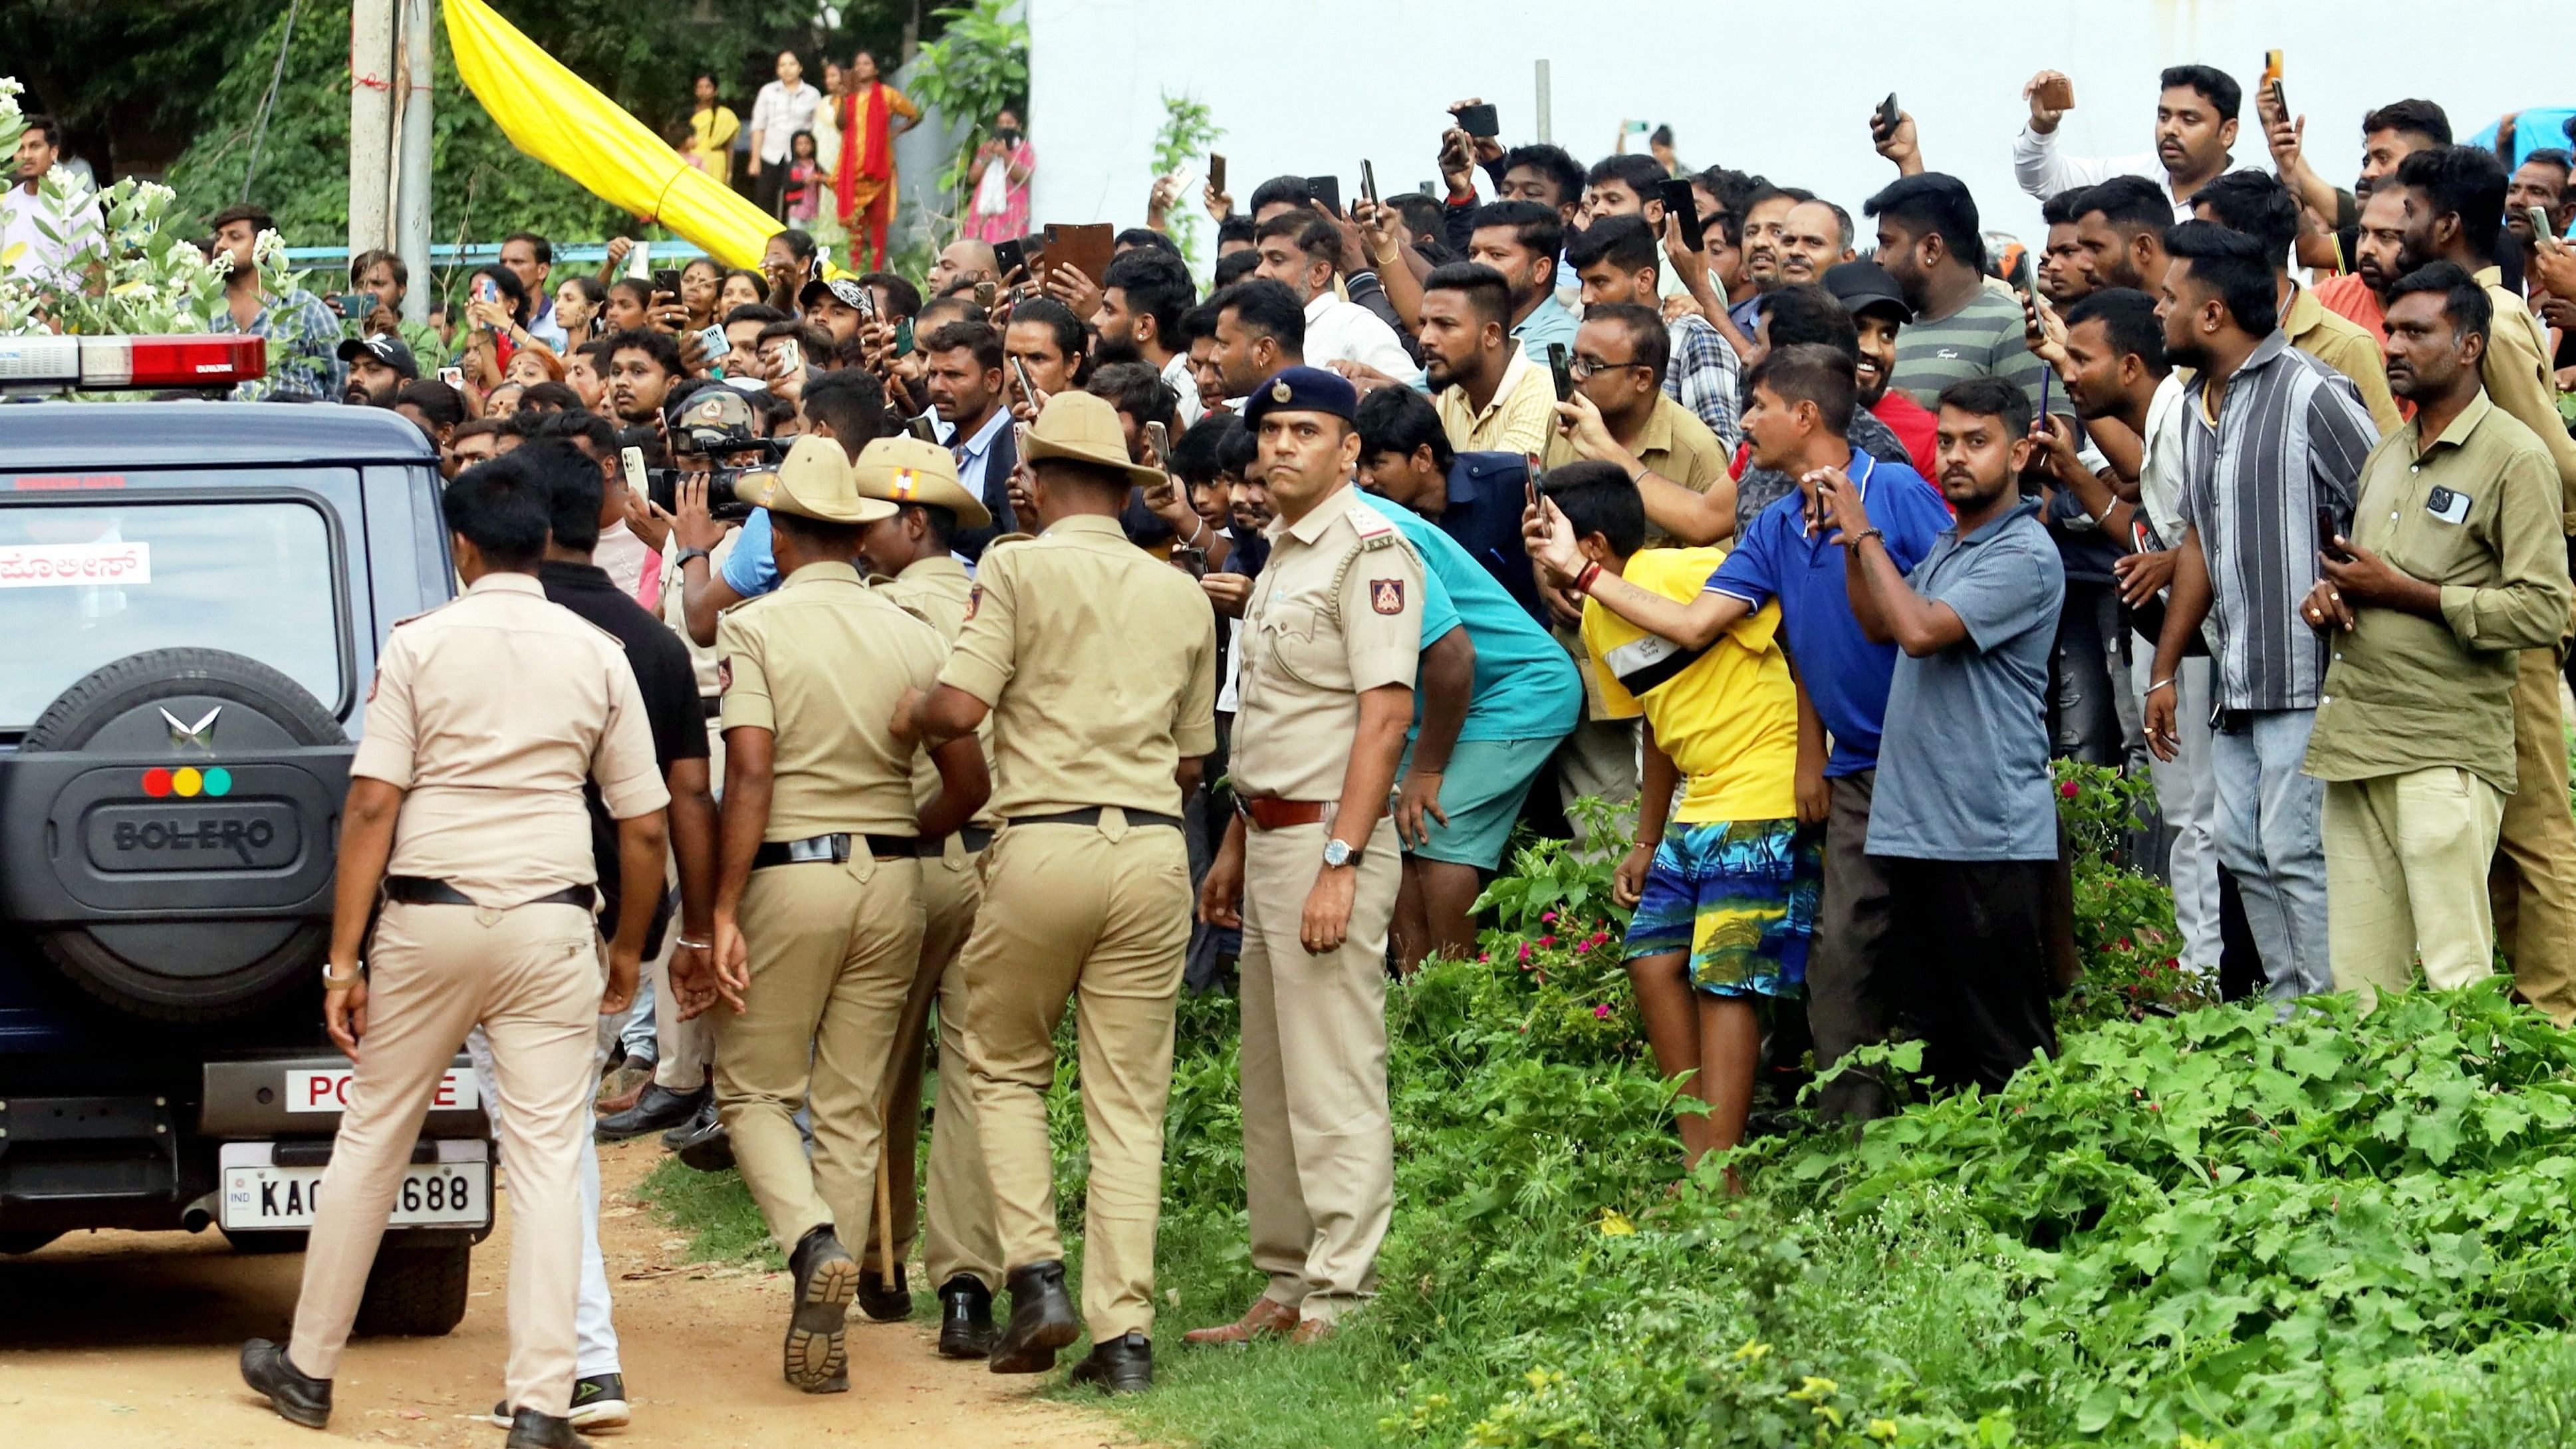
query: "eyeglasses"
1581, 368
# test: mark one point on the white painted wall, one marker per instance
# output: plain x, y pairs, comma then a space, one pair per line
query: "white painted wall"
1312, 86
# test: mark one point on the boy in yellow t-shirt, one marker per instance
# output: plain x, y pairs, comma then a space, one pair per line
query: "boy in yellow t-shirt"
1726, 897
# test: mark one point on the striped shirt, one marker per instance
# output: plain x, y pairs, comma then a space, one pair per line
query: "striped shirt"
2290, 438
1982, 339
1704, 375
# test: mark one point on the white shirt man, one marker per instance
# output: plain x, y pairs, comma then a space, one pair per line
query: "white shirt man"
26, 251
1342, 331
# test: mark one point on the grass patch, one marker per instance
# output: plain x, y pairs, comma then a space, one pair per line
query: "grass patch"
714, 1209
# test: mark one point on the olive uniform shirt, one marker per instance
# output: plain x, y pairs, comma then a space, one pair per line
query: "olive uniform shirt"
488, 713
937, 591
1337, 610
1674, 443
1098, 662
2345, 346
820, 663
2518, 379
2477, 514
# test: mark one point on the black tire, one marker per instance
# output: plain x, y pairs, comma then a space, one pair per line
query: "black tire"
415, 1292
285, 953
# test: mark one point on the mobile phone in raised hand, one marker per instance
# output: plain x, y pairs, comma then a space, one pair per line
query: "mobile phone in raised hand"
1028, 389
1883, 123
1216, 173
1368, 183
2326, 532
1479, 121
1327, 191
1683, 207
639, 261
2542, 233
1160, 439
666, 280
1563, 370
2057, 93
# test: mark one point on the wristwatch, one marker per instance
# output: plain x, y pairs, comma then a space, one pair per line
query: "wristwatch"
1339, 853
686, 554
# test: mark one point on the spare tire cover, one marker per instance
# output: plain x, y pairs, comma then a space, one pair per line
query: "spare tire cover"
217, 703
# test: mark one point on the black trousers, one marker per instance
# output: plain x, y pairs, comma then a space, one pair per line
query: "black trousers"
769, 188
1979, 936
1852, 985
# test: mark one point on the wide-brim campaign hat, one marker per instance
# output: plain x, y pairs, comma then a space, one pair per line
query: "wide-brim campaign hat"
907, 469
1080, 428
815, 480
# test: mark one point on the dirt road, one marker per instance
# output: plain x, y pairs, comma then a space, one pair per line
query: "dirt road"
129, 1339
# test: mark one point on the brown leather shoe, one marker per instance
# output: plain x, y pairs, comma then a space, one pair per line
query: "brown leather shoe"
1266, 1316
1312, 1330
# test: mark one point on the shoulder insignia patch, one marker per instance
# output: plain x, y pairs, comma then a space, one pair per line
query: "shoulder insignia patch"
1377, 540
1386, 595
974, 599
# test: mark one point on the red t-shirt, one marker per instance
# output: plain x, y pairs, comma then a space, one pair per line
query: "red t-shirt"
2350, 298
1912, 425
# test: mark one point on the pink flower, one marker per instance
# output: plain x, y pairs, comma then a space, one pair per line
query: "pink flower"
1601, 1012
1549, 916
1525, 950
1547, 940
2067, 790
1484, 956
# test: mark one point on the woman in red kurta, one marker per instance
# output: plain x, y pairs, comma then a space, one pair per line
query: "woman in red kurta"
863, 184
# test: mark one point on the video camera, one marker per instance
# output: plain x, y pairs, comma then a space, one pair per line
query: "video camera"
716, 425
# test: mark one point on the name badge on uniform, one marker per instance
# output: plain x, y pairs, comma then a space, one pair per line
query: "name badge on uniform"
2448, 504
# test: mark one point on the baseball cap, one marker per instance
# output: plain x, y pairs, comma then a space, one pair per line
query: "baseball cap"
846, 289
1861, 285
384, 347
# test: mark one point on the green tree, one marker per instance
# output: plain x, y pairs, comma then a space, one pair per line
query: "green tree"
1188, 129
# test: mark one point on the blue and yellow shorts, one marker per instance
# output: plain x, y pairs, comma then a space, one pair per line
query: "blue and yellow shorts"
1740, 898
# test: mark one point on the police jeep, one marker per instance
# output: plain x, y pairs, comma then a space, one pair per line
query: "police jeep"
192, 595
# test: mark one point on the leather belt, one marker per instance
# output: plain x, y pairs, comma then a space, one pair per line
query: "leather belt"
711, 705
834, 848
973, 837
420, 890
1265, 813
1091, 816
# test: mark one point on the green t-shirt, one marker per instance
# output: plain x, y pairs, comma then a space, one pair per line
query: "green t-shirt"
1981, 339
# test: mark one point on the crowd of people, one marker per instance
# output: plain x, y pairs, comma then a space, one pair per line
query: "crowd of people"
1045, 630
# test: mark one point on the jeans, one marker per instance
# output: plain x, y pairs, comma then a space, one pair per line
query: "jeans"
2188, 803
2269, 823
2087, 672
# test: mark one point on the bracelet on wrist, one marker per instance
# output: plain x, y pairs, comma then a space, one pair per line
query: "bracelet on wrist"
1583, 581
2164, 683
705, 945
1868, 533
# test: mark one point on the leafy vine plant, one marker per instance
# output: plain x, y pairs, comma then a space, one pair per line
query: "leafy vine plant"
134, 270
1188, 129
978, 65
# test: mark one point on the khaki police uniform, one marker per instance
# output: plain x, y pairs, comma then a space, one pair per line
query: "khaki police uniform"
961, 1237
489, 713
1099, 664
832, 914
1337, 610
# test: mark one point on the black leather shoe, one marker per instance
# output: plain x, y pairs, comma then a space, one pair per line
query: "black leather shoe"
1042, 1320
1120, 1366
965, 1318
658, 1109
297, 1399
825, 1278
700, 1123
532, 1430
881, 1303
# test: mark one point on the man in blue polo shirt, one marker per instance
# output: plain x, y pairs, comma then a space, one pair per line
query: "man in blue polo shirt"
1803, 396
1467, 769
1476, 498
1965, 823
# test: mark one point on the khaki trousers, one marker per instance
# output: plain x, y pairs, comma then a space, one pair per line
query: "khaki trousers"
961, 1237
1318, 1145
686, 1047
2533, 880
1098, 914
2404, 855
530, 977
833, 949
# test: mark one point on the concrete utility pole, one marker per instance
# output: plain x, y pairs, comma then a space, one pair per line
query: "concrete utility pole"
411, 172
1546, 121
371, 115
